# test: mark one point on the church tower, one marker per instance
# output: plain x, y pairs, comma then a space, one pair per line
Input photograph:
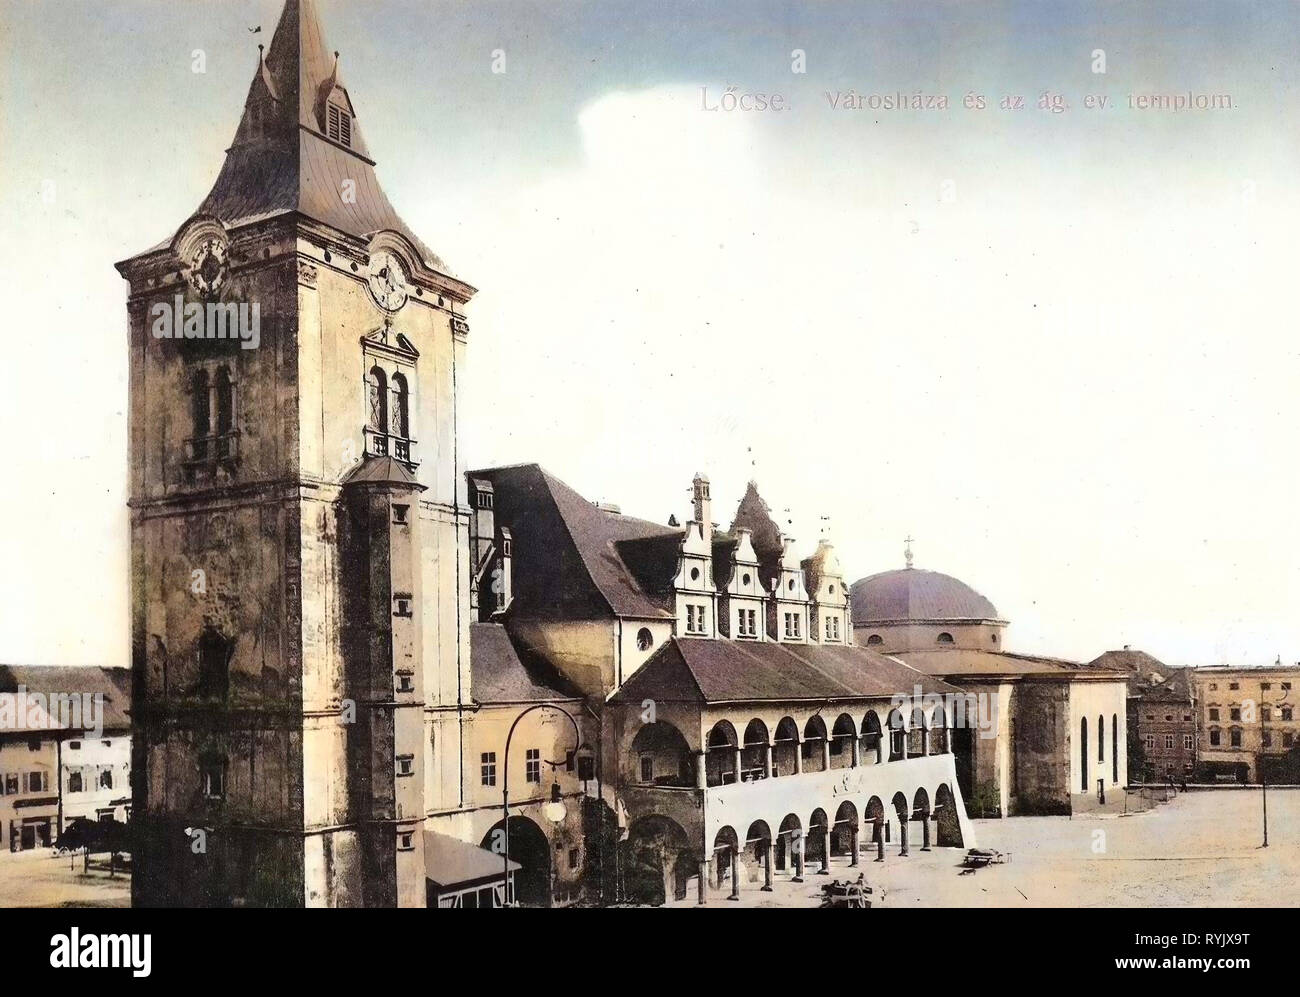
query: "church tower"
299, 522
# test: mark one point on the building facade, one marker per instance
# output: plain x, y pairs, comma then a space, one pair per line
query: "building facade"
65, 750
738, 731
1250, 719
1163, 720
299, 523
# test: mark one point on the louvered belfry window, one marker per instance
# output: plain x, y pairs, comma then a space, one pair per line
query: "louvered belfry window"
339, 125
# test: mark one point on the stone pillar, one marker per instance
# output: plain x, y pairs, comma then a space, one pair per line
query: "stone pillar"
796, 851
735, 874
902, 836
826, 852
704, 881
925, 741
740, 762
798, 757
826, 754
857, 751
767, 866
701, 770
767, 761
853, 844
925, 834
880, 841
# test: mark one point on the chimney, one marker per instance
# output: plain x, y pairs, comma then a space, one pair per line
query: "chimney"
703, 505
502, 575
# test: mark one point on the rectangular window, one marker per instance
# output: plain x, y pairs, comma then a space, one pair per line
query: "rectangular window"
586, 768
1214, 713
1266, 686
1187, 742
1286, 713
1267, 738
1235, 739
1265, 713
1286, 685
1169, 741
405, 765
1151, 742
533, 765
406, 841
1288, 740
647, 768
488, 768
36, 782
574, 858
11, 783
1234, 685
1234, 713
1214, 738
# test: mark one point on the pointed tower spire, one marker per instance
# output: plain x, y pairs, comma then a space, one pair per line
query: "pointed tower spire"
299, 147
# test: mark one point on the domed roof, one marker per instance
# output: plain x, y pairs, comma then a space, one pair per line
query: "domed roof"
914, 595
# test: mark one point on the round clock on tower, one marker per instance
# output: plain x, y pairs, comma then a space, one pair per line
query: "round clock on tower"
387, 281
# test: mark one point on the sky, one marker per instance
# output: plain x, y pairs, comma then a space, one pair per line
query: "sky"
1057, 349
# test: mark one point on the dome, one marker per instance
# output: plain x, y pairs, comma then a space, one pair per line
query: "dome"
911, 595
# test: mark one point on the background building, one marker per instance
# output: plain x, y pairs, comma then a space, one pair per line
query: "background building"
55, 771
1249, 719
1162, 716
1059, 744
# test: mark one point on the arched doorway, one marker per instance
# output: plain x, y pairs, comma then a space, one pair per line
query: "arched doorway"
843, 734
527, 846
916, 734
661, 757
818, 839
897, 736
844, 830
947, 820
875, 819
789, 842
871, 739
920, 830
785, 747
720, 762
814, 738
753, 755
726, 847
757, 840
657, 861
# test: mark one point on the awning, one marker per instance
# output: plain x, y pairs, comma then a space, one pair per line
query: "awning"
450, 862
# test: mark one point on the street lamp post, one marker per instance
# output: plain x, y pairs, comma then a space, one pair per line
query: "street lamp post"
554, 807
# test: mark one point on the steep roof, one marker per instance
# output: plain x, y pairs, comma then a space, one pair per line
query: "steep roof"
755, 515
112, 684
381, 471
451, 862
619, 557
723, 671
914, 595
500, 674
955, 663
282, 159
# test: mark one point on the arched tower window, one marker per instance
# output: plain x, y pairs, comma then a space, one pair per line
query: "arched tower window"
200, 412
214, 664
224, 395
1083, 752
875, 639
944, 638
401, 419
377, 397
1101, 738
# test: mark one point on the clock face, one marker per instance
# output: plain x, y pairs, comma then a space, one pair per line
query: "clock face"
209, 268
387, 281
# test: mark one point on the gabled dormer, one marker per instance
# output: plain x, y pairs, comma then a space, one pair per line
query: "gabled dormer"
828, 615
787, 619
742, 598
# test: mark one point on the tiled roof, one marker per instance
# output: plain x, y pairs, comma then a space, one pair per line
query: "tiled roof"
113, 684
501, 675
381, 471
724, 671
912, 594
954, 663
